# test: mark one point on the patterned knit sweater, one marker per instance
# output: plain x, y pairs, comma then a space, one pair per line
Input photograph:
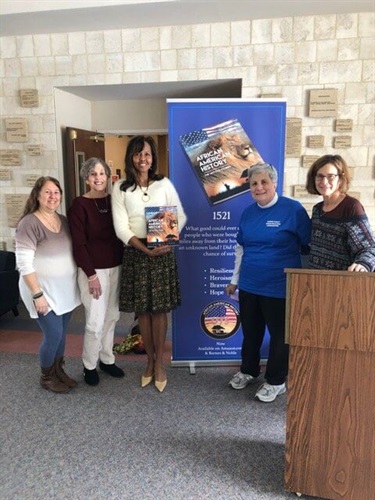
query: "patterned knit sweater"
341, 237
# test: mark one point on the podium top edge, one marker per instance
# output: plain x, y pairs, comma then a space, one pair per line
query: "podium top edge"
329, 273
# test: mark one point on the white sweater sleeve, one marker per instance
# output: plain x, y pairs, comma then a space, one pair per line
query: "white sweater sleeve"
25, 260
237, 264
120, 214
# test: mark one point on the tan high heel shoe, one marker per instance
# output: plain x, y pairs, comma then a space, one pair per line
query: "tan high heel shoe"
146, 380
160, 386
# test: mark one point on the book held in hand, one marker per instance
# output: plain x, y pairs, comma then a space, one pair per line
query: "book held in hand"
162, 226
220, 156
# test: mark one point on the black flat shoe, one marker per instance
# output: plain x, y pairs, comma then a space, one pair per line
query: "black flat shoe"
91, 377
112, 370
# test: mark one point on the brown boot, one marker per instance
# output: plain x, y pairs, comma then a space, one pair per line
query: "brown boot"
61, 375
49, 381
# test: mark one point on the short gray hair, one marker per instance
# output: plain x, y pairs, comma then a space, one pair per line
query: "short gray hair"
260, 168
90, 164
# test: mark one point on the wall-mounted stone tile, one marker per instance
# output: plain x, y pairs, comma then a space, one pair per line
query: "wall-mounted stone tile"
131, 40
77, 43
348, 49
346, 25
282, 30
94, 42
220, 34
8, 47
355, 93
340, 72
168, 59
112, 41
240, 32
29, 66
368, 71
223, 57
325, 27
284, 53
46, 66
366, 24
150, 39
308, 74
186, 58
243, 56
181, 37
263, 54
201, 35
305, 52
80, 65
59, 44
42, 45
165, 33
25, 46
326, 50
261, 31
63, 65
114, 63
303, 28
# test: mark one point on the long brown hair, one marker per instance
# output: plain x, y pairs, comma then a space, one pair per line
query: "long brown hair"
32, 203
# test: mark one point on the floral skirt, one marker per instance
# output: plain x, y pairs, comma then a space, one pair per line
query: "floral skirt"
149, 284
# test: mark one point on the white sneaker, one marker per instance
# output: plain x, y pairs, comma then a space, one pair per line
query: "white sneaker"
268, 393
241, 380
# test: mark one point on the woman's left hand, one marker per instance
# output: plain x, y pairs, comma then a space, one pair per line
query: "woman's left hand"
357, 268
95, 288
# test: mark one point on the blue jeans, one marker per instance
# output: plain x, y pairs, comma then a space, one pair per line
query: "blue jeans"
54, 334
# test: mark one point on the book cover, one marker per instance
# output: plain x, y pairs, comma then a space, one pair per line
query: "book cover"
162, 226
220, 156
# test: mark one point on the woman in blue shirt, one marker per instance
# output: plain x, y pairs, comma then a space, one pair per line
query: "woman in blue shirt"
271, 234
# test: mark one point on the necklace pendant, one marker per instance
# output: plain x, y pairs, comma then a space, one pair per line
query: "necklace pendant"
102, 210
145, 197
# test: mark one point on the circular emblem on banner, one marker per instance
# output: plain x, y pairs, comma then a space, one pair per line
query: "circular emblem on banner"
220, 320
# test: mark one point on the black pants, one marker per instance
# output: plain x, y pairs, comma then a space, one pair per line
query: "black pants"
257, 312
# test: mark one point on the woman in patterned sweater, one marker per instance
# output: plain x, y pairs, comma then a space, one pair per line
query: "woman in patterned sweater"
341, 234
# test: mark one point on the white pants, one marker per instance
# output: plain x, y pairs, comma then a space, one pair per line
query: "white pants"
101, 317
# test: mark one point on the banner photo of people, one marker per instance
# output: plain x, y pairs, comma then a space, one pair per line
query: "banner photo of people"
212, 144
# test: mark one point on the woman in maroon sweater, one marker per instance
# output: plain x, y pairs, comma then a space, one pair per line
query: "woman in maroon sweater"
98, 254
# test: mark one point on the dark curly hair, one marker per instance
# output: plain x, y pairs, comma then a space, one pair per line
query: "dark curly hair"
135, 145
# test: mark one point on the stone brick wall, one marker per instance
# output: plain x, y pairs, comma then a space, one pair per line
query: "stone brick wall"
287, 56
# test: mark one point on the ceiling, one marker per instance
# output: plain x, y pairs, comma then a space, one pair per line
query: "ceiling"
160, 90
22, 17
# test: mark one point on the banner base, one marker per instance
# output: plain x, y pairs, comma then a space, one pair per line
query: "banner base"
214, 362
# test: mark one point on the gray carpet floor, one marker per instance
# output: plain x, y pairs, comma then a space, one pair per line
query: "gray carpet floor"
76, 325
199, 439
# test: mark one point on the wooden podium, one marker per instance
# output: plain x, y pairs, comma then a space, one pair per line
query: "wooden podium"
330, 435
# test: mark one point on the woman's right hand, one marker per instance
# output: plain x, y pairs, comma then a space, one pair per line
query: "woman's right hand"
41, 305
157, 251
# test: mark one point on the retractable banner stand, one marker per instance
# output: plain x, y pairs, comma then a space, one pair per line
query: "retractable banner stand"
212, 144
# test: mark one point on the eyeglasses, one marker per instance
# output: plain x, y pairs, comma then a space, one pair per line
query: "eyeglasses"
329, 177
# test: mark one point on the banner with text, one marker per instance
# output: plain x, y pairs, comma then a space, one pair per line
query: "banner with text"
212, 143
